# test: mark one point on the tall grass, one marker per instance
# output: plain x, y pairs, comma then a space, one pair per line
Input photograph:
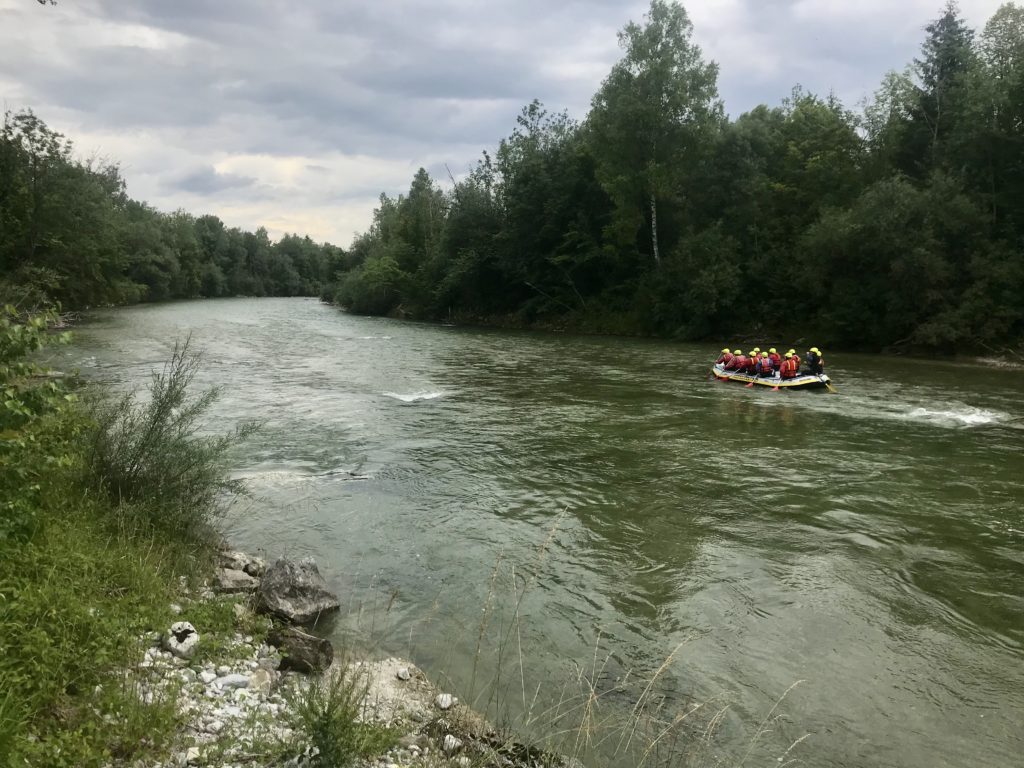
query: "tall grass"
595, 714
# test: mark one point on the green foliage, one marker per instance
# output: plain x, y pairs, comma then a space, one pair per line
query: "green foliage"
69, 232
85, 575
327, 715
30, 448
149, 460
903, 225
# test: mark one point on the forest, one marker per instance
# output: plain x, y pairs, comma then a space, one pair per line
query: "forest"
69, 233
898, 226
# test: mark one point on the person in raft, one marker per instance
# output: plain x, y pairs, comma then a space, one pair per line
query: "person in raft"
815, 361
790, 367
752, 359
775, 358
765, 369
738, 362
725, 358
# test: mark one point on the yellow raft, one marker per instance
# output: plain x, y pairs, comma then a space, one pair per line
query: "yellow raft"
803, 381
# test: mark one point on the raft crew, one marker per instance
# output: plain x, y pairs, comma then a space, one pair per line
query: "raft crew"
771, 364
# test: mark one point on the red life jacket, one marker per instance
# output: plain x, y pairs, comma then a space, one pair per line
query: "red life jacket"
766, 365
725, 359
796, 360
739, 363
789, 368
775, 358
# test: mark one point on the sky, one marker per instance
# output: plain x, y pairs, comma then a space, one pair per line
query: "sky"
296, 116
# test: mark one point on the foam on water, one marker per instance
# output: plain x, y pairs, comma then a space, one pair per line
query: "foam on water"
415, 396
965, 416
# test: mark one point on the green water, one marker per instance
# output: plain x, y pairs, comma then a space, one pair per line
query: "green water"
867, 543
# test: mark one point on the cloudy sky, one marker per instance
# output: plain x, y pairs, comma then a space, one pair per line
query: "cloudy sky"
296, 115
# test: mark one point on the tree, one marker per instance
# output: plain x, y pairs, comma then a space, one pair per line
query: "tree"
652, 117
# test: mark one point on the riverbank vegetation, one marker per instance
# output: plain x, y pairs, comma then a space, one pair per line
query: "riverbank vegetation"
87, 564
897, 225
70, 233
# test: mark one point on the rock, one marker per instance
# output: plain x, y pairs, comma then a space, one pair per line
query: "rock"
207, 677
181, 639
260, 681
223, 669
463, 761
232, 681
231, 582
241, 561
444, 701
451, 744
175, 609
403, 673
214, 726
242, 612
301, 652
192, 755
295, 591
269, 663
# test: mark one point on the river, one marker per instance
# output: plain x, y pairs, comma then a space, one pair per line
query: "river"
598, 508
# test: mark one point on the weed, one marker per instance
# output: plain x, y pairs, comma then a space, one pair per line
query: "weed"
327, 715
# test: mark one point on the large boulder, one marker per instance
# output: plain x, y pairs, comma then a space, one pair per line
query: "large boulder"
294, 591
300, 651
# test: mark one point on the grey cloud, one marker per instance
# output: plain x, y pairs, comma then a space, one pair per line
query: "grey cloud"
208, 181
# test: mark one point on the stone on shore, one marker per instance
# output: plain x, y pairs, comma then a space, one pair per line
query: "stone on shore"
294, 591
231, 582
301, 652
181, 640
444, 701
240, 561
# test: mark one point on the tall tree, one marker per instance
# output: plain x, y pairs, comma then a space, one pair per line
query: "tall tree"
652, 117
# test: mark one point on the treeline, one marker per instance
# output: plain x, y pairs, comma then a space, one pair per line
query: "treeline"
899, 225
70, 233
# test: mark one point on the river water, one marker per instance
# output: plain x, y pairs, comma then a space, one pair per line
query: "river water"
599, 509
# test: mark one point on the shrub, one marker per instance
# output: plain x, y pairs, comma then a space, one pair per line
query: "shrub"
327, 715
150, 459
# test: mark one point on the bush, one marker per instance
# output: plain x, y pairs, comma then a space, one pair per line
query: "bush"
327, 715
149, 458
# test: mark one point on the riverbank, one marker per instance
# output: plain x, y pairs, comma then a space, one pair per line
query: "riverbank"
128, 638
250, 691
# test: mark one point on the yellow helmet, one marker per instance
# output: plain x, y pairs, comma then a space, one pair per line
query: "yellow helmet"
764, 354
789, 355
772, 350
757, 349
753, 353
724, 351
791, 352
815, 350
738, 352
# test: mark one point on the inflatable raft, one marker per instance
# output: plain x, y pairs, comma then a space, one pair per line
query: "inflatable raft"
803, 381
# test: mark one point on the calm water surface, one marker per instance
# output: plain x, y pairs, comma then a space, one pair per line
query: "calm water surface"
868, 544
